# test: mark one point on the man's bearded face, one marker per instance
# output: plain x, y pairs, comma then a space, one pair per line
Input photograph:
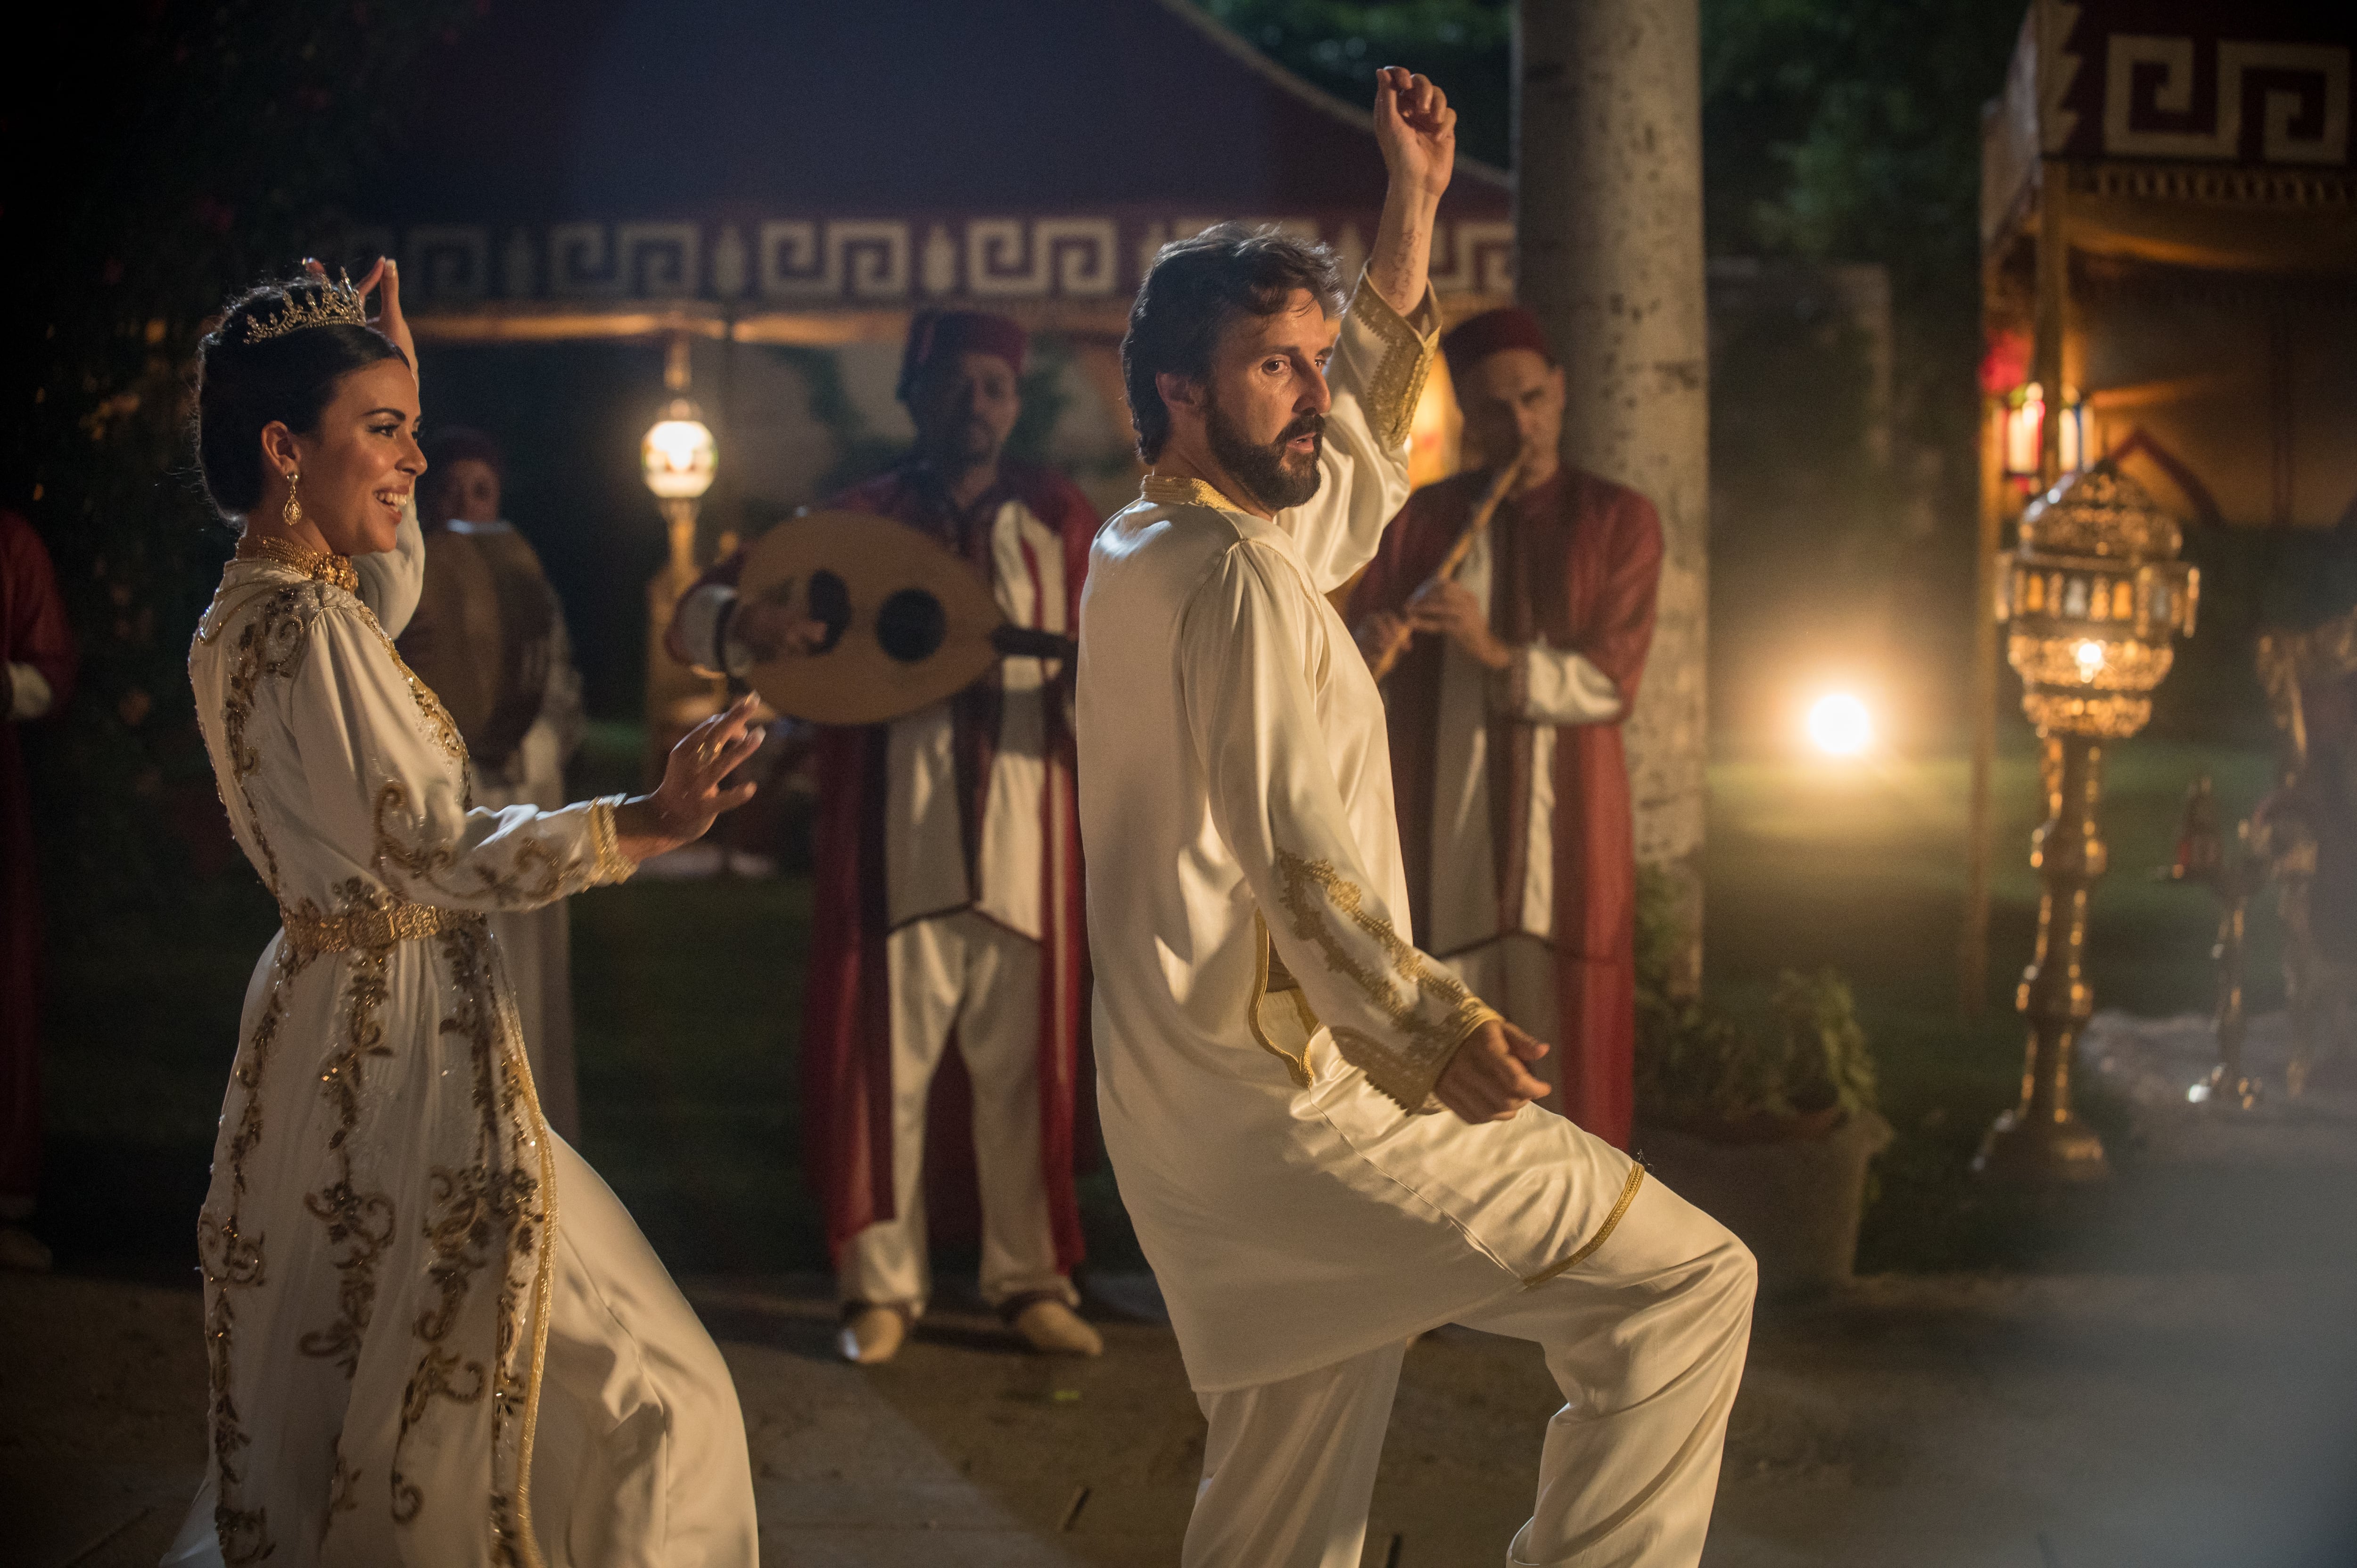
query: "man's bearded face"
1278, 473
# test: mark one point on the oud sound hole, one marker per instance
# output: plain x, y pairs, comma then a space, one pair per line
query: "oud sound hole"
911, 625
830, 606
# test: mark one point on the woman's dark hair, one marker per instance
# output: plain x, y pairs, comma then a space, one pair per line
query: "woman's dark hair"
242, 385
1192, 291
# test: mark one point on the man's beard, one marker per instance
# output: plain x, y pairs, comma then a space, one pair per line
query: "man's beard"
1275, 479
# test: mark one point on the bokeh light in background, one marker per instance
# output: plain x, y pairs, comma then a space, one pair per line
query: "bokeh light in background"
679, 457
1840, 725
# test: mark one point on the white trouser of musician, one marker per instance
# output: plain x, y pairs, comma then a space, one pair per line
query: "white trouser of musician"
1646, 1339
962, 974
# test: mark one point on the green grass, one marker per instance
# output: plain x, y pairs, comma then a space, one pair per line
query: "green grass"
688, 998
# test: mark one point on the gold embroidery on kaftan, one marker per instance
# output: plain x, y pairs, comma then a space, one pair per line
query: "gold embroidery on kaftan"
535, 875
270, 643
360, 1222
1398, 382
233, 1260
493, 1209
1171, 489
1403, 1075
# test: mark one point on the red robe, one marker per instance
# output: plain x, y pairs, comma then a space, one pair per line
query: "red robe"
846, 1042
33, 630
1575, 565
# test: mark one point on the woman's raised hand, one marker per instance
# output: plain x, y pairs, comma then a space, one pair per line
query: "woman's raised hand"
389, 318
694, 789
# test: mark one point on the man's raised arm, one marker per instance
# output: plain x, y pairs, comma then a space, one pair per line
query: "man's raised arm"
1417, 132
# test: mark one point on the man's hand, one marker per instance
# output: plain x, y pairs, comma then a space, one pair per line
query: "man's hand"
1379, 633
1450, 608
1416, 129
776, 625
1485, 1080
1417, 132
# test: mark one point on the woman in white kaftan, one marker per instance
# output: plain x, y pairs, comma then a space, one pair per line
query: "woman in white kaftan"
435, 1339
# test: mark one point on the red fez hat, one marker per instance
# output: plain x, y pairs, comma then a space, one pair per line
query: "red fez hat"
1477, 337
937, 335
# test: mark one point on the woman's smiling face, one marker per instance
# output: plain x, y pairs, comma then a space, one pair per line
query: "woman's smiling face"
359, 466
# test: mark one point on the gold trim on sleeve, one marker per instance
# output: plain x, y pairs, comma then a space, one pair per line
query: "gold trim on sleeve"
1627, 1196
605, 838
1406, 1069
1169, 489
1397, 383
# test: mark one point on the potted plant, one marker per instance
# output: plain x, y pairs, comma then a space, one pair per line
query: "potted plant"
1768, 1124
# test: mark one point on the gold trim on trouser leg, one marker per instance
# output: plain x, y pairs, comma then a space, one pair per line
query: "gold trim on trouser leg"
1627, 1196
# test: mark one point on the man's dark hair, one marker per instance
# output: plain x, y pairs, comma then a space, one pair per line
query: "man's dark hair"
1192, 291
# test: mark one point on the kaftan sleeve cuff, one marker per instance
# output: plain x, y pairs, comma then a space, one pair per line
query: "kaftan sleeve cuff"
704, 616
1404, 347
1547, 685
1405, 1074
606, 843
30, 696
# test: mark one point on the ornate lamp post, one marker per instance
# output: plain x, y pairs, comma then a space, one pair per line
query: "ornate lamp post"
2094, 592
678, 459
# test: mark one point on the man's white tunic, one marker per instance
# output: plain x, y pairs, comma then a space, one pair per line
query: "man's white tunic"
1267, 1036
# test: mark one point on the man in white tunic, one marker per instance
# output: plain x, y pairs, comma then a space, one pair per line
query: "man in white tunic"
1272, 1051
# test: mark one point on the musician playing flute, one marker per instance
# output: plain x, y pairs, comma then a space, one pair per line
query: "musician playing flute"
1505, 711
948, 900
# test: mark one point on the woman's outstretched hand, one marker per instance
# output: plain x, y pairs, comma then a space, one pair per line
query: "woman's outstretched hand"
694, 789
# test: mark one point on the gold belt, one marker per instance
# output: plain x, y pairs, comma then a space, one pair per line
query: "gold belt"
398, 921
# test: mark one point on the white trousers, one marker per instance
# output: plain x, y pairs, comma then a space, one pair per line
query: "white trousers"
1515, 974
961, 973
1646, 1339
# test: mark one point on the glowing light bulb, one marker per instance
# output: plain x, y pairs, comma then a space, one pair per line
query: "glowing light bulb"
1840, 725
2090, 657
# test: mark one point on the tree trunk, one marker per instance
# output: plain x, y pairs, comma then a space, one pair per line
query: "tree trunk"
1608, 222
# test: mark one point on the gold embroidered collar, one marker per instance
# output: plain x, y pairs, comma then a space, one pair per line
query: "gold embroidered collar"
1168, 489
334, 570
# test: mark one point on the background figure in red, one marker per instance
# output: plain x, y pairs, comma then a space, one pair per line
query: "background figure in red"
948, 900
1505, 714
37, 663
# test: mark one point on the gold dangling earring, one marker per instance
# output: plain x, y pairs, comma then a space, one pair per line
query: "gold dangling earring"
291, 515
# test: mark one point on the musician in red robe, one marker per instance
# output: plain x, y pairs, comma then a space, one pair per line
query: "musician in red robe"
948, 900
1505, 714
38, 664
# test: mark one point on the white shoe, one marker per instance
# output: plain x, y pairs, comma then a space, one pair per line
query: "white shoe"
872, 1335
1050, 1327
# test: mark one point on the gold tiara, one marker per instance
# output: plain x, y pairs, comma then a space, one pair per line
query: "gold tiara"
331, 304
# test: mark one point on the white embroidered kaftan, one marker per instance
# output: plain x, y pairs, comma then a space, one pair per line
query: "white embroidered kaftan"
1264, 1028
393, 1294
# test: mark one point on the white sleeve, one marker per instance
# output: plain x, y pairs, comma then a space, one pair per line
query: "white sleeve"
702, 618
367, 740
30, 696
1395, 1014
391, 581
1376, 376
1557, 686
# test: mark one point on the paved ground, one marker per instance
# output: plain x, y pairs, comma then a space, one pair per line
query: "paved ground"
2074, 1421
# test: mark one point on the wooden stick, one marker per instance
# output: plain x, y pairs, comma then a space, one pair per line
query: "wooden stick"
1483, 511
